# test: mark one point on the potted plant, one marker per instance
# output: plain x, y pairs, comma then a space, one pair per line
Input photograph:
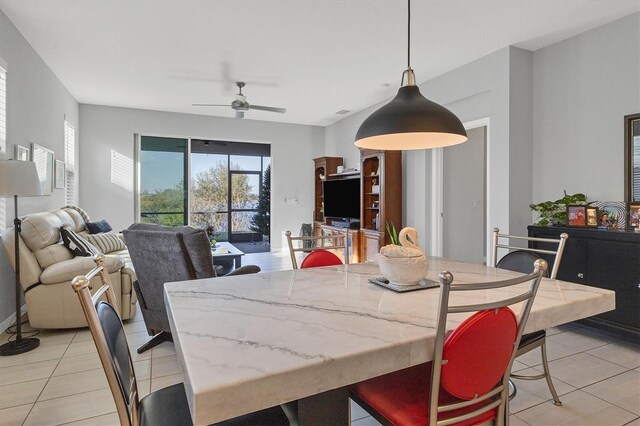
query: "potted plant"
555, 212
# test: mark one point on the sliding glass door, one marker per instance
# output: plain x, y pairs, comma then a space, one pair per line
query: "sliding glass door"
214, 185
163, 177
210, 193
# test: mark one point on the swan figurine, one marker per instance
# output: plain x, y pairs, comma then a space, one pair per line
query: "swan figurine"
404, 264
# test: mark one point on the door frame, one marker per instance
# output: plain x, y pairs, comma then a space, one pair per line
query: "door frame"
437, 190
230, 209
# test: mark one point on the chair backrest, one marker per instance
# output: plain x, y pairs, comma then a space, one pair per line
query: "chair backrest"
474, 362
110, 340
338, 241
319, 258
522, 262
158, 257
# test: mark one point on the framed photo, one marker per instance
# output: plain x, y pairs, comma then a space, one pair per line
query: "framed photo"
592, 216
61, 167
576, 215
613, 214
633, 215
43, 158
21, 153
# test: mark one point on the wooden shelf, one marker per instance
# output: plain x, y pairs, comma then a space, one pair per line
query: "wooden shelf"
382, 169
345, 174
323, 166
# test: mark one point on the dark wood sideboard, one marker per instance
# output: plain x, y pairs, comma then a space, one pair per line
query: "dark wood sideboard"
606, 259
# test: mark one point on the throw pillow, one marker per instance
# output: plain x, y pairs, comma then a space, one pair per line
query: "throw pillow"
76, 244
106, 242
84, 214
98, 227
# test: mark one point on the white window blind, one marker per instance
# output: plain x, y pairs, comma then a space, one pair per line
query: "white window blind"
3, 137
70, 160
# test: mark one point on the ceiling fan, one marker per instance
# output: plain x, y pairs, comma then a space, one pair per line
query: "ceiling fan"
240, 104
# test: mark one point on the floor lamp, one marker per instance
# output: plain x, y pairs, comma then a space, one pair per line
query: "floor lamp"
18, 178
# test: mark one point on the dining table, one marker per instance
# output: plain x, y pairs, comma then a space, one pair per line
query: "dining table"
299, 338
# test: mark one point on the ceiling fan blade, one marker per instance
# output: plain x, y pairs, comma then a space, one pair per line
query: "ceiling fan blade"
239, 114
216, 105
267, 108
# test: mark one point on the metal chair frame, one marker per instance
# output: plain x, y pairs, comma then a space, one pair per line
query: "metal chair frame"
127, 412
322, 238
498, 396
540, 342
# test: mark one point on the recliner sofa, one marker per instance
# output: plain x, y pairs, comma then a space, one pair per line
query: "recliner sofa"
47, 268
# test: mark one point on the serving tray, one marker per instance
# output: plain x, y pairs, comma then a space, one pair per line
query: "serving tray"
423, 284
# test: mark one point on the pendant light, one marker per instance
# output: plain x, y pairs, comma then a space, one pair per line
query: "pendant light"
410, 121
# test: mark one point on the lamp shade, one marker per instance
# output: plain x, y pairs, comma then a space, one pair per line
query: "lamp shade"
410, 121
19, 178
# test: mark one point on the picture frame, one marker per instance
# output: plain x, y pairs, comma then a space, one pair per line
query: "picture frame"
44, 159
61, 168
21, 153
576, 215
612, 214
633, 216
592, 217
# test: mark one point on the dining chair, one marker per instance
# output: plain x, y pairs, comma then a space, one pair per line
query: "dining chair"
167, 406
520, 259
317, 249
467, 381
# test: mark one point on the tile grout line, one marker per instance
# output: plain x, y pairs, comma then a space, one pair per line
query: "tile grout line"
88, 418
48, 379
600, 381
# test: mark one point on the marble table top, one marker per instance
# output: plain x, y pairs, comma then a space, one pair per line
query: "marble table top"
253, 341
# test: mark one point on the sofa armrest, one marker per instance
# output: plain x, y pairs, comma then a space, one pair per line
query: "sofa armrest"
69, 269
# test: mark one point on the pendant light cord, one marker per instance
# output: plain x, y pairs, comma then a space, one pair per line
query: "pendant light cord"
409, 34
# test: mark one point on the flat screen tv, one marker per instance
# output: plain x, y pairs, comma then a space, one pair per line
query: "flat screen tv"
342, 198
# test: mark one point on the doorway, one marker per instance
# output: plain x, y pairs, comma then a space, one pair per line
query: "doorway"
464, 212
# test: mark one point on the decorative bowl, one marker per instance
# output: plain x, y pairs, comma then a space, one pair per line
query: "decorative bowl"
402, 265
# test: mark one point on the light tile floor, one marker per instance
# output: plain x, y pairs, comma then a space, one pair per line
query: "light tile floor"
596, 374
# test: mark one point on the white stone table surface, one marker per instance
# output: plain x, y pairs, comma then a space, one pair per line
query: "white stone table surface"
253, 341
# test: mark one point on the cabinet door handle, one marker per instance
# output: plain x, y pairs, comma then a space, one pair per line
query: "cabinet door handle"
580, 275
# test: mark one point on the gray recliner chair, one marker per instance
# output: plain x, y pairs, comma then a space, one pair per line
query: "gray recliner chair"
163, 254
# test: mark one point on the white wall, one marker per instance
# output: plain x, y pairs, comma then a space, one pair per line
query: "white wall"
582, 88
37, 104
104, 129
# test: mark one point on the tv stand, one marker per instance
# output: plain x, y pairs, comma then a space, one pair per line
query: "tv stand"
346, 223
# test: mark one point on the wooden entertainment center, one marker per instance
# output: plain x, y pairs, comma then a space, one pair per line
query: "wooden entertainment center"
380, 197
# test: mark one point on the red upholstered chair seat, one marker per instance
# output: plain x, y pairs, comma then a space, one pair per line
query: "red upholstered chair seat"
320, 258
477, 354
402, 397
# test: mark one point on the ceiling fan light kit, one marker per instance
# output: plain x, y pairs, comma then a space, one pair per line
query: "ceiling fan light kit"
410, 121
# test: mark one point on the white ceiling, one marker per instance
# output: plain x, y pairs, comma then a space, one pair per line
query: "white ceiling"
314, 57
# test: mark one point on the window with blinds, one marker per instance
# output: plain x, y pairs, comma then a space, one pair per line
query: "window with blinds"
3, 137
71, 197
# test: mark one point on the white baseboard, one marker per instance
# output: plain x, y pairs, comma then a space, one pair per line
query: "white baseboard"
7, 323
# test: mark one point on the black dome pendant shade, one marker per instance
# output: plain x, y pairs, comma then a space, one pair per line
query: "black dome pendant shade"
410, 121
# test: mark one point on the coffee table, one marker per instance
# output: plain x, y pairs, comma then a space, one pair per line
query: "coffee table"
233, 254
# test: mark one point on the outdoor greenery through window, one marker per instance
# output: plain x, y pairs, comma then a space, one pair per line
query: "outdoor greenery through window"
225, 186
